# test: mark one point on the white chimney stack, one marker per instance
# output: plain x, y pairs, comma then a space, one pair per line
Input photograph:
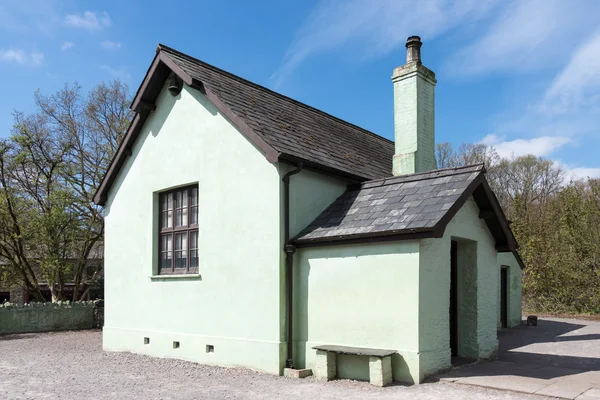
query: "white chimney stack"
414, 113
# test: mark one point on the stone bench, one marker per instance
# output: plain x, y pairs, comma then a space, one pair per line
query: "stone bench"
380, 362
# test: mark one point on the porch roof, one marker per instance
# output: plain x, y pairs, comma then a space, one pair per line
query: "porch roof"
408, 207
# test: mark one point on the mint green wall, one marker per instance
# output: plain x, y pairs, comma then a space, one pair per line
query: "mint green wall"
469, 230
514, 289
359, 295
186, 140
310, 194
434, 295
395, 295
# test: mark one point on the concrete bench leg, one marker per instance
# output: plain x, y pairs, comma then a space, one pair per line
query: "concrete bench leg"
380, 370
325, 367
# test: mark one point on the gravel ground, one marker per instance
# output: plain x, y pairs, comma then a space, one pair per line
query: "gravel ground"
72, 365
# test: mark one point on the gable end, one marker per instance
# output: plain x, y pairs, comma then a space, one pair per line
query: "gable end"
144, 103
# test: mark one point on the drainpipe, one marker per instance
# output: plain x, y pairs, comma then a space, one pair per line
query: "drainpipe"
289, 249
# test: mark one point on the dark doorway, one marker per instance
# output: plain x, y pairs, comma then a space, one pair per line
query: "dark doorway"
504, 297
4, 296
453, 299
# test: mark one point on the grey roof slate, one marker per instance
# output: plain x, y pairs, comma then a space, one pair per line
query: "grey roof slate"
293, 128
395, 205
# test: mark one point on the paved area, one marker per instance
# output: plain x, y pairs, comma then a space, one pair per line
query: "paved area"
559, 357
72, 366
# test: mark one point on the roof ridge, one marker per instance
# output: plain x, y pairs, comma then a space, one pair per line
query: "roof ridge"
421, 176
287, 98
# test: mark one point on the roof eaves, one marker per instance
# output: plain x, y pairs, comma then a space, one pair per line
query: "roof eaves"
322, 168
271, 154
142, 111
445, 220
373, 237
519, 259
123, 151
422, 176
151, 69
512, 241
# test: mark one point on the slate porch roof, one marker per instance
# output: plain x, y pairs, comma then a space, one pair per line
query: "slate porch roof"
409, 206
284, 129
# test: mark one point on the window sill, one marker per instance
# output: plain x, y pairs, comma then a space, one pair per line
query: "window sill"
181, 277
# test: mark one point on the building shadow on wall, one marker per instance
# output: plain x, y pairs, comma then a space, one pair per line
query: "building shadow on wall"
550, 350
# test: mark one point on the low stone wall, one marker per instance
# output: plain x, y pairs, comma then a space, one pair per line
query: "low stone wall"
46, 317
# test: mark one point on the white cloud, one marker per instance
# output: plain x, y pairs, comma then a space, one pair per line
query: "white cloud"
375, 27
539, 146
89, 20
18, 56
577, 173
510, 39
66, 46
578, 84
525, 35
120, 73
109, 45
564, 110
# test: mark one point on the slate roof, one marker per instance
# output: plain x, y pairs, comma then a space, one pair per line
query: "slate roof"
408, 204
293, 128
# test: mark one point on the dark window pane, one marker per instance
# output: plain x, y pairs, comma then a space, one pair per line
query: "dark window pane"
180, 259
194, 216
193, 258
170, 201
193, 249
164, 219
166, 242
165, 260
184, 217
181, 241
194, 197
184, 198
178, 199
193, 240
181, 250
178, 217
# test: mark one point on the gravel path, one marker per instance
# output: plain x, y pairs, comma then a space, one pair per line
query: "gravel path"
72, 365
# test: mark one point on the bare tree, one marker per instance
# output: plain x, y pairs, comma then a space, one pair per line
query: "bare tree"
52, 165
445, 155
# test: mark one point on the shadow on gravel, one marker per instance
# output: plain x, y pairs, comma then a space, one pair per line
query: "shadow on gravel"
516, 359
548, 332
18, 336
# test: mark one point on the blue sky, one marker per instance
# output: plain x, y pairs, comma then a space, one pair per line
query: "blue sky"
523, 76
